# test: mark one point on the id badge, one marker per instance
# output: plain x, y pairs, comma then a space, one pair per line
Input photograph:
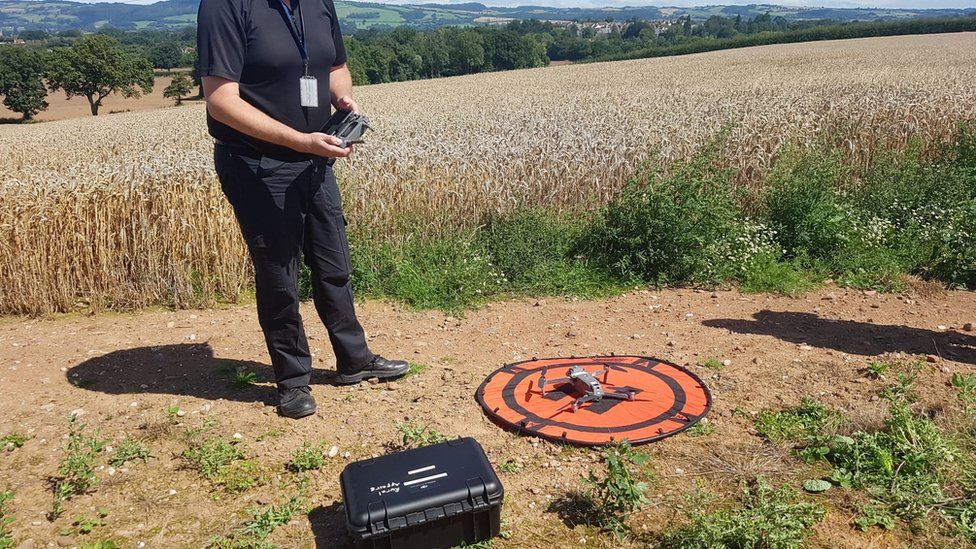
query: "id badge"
309, 86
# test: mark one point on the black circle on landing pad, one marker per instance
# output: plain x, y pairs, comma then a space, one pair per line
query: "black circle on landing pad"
667, 399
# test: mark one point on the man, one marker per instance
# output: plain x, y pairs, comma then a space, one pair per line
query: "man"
271, 70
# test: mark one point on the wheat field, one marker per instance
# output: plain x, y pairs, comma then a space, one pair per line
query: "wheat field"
124, 211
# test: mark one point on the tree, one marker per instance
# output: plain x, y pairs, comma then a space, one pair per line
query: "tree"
179, 88
96, 66
165, 55
21, 80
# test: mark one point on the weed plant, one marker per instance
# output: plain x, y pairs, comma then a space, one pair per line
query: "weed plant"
6, 536
76, 474
127, 451
618, 491
764, 518
307, 457
415, 436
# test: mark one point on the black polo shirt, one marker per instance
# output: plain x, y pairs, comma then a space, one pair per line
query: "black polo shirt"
250, 42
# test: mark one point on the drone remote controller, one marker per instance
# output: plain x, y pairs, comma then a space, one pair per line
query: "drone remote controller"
347, 126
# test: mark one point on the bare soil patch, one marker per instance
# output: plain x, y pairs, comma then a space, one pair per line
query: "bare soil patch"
125, 374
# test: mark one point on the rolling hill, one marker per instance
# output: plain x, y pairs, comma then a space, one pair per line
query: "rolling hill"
55, 15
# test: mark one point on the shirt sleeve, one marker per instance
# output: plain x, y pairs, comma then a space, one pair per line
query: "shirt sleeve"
221, 39
340, 47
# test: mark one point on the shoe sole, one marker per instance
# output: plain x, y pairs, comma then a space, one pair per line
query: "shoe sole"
305, 414
351, 379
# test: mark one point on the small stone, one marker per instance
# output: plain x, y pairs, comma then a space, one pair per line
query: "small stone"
805, 347
757, 360
571, 334
111, 471
932, 359
192, 337
714, 295
726, 362
874, 398
346, 455
968, 326
65, 541
679, 471
373, 380
264, 499
536, 491
943, 327
171, 492
945, 369
333, 451
77, 412
237, 436
392, 386
180, 413
26, 544
446, 375
539, 303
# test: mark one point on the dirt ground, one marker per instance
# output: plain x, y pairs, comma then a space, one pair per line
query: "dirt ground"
120, 374
60, 108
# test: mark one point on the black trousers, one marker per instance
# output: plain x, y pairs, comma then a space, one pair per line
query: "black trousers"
287, 210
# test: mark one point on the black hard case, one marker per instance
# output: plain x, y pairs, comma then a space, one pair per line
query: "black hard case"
438, 496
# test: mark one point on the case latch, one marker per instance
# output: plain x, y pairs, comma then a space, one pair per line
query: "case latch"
378, 522
477, 500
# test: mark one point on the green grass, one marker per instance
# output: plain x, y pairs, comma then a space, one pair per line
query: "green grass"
762, 518
713, 364
510, 466
810, 418
703, 428
414, 369
909, 469
224, 464
129, 450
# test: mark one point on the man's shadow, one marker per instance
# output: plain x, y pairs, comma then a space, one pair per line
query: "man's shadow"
182, 369
856, 338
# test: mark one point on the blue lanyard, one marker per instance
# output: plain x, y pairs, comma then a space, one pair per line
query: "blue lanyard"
300, 40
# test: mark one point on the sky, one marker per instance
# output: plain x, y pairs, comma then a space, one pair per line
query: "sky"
916, 4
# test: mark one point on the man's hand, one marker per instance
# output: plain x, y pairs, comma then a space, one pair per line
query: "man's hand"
322, 144
347, 103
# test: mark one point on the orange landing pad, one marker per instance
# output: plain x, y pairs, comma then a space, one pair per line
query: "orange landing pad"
666, 399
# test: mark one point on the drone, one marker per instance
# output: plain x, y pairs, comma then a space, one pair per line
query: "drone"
587, 384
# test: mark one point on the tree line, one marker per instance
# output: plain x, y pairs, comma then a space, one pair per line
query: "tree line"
94, 66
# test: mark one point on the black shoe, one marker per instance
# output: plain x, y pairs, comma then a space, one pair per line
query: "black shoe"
379, 368
296, 402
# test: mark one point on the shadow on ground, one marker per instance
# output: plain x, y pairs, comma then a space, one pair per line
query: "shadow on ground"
329, 526
856, 338
183, 369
